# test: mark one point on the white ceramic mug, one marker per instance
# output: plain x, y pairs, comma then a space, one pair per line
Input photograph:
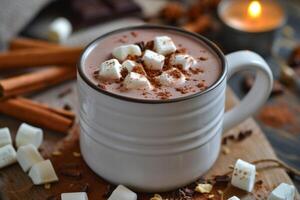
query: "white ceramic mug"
161, 145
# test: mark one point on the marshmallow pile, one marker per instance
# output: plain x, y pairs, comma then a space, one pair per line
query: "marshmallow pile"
28, 140
154, 59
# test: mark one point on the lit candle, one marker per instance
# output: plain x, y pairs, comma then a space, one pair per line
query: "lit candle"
250, 24
252, 16
254, 9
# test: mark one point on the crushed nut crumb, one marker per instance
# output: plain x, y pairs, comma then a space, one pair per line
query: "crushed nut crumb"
56, 153
76, 154
47, 186
203, 188
225, 150
156, 197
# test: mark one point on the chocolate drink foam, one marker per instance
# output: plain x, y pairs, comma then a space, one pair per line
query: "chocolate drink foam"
207, 71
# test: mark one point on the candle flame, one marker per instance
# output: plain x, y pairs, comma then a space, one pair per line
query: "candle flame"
254, 9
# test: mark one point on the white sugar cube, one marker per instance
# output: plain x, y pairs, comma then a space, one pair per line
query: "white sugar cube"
129, 65
153, 60
8, 155
171, 77
59, 30
283, 192
136, 81
5, 137
234, 198
122, 193
243, 176
42, 172
74, 196
164, 45
28, 134
110, 69
183, 60
27, 156
122, 52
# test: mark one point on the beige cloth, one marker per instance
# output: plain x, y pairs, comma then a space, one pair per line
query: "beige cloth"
15, 15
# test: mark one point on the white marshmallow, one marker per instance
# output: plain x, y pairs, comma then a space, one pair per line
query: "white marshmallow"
8, 155
5, 137
59, 30
28, 134
184, 60
74, 196
164, 45
122, 52
136, 81
153, 60
283, 192
110, 69
42, 172
27, 156
243, 176
129, 65
122, 193
234, 198
167, 78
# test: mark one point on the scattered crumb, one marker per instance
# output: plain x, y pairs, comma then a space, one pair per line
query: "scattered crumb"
225, 150
67, 107
76, 154
56, 153
204, 188
47, 186
156, 197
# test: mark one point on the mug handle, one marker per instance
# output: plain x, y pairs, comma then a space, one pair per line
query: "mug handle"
260, 91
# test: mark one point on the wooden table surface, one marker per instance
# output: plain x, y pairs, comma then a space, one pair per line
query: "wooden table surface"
15, 184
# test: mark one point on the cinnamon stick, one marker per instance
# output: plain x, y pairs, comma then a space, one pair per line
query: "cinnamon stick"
62, 112
25, 43
39, 57
36, 114
34, 81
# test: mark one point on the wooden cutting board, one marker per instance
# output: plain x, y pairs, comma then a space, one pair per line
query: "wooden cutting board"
15, 184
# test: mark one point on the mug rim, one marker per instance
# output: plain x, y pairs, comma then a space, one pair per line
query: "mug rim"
208, 42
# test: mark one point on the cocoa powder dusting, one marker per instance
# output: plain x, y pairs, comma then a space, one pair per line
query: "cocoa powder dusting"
164, 95
203, 58
175, 74
139, 69
101, 86
181, 51
124, 72
134, 34
122, 40
185, 89
150, 45
141, 45
196, 70
158, 90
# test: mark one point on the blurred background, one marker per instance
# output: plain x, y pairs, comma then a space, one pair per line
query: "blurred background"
280, 46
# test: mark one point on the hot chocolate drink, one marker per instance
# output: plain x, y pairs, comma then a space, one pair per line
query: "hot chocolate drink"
152, 64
